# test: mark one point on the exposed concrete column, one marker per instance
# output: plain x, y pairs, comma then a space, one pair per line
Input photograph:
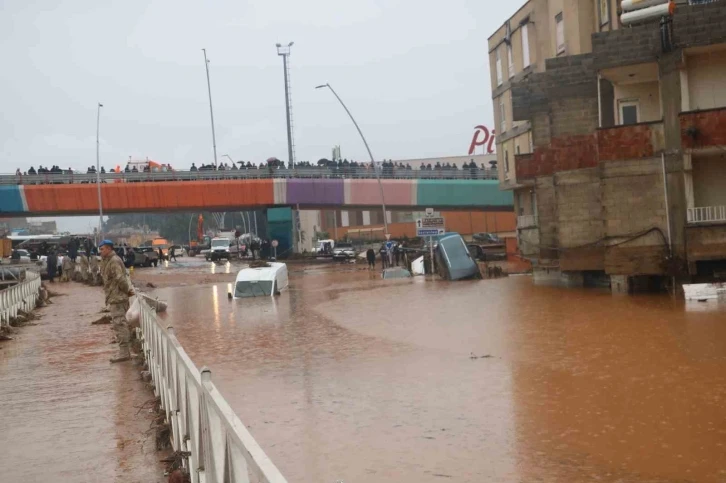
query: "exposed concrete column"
607, 103
620, 284
671, 102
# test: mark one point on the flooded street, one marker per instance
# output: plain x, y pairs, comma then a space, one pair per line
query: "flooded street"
346, 377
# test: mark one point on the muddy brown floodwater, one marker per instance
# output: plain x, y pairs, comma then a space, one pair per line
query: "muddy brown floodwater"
346, 377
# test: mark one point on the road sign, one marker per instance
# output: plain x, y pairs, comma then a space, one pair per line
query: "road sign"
431, 222
429, 212
274, 243
421, 232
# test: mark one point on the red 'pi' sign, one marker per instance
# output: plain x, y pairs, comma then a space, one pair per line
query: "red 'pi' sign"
482, 138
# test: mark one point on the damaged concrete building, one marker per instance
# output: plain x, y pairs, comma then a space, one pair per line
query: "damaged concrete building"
612, 136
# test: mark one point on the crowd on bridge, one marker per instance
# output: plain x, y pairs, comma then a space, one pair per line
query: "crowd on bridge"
272, 168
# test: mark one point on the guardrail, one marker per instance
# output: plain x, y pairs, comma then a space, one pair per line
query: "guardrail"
707, 214
21, 296
253, 173
216, 445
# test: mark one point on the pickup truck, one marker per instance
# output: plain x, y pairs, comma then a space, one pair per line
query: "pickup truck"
139, 256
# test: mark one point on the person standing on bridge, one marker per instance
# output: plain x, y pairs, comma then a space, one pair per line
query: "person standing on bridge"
118, 289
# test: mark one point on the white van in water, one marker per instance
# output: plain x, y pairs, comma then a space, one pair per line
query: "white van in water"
262, 281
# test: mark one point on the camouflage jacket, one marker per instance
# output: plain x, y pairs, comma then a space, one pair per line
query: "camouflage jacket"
115, 282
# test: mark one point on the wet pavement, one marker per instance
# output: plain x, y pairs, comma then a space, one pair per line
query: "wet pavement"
66, 413
348, 377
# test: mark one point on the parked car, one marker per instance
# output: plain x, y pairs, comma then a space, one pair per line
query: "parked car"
138, 257
343, 251
487, 238
483, 254
24, 254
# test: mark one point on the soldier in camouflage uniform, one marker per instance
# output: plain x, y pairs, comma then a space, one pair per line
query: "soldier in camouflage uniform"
118, 290
85, 271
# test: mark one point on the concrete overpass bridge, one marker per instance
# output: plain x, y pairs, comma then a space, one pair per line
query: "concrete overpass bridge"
316, 188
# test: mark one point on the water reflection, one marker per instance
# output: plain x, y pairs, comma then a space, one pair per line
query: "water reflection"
349, 377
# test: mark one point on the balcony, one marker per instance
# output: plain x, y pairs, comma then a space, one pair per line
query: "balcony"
634, 141
706, 215
703, 129
526, 221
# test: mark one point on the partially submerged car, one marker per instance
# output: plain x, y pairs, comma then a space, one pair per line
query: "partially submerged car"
453, 260
264, 281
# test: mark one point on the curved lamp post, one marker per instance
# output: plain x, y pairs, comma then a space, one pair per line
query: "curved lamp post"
375, 168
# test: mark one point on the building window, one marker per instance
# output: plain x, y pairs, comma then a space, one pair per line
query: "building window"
499, 68
510, 60
502, 114
525, 46
629, 112
506, 161
560, 32
517, 148
604, 12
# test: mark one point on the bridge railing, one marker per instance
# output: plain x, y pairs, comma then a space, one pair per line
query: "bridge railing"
215, 444
252, 173
21, 296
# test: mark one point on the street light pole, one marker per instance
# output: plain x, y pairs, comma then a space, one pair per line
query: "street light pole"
284, 52
211, 111
375, 168
98, 170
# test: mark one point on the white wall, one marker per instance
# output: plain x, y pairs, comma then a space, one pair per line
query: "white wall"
647, 94
709, 181
707, 80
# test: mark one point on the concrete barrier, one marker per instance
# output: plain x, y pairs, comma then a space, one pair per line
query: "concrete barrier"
215, 445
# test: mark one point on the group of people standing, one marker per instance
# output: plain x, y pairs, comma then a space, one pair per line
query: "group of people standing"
392, 254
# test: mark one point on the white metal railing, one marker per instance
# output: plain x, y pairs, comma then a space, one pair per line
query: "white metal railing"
526, 221
216, 444
67, 177
707, 214
21, 296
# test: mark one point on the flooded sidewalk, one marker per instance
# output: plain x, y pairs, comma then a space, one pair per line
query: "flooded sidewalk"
66, 413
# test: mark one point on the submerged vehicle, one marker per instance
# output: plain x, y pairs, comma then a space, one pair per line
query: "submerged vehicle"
261, 281
453, 260
395, 272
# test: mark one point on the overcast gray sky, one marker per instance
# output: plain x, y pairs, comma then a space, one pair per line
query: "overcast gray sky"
414, 73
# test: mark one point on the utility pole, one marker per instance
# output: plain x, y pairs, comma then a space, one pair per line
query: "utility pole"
211, 111
98, 171
284, 52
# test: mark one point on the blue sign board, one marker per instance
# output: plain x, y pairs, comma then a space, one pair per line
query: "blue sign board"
428, 232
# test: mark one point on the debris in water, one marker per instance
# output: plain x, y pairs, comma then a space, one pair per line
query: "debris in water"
150, 285
106, 319
259, 264
473, 357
